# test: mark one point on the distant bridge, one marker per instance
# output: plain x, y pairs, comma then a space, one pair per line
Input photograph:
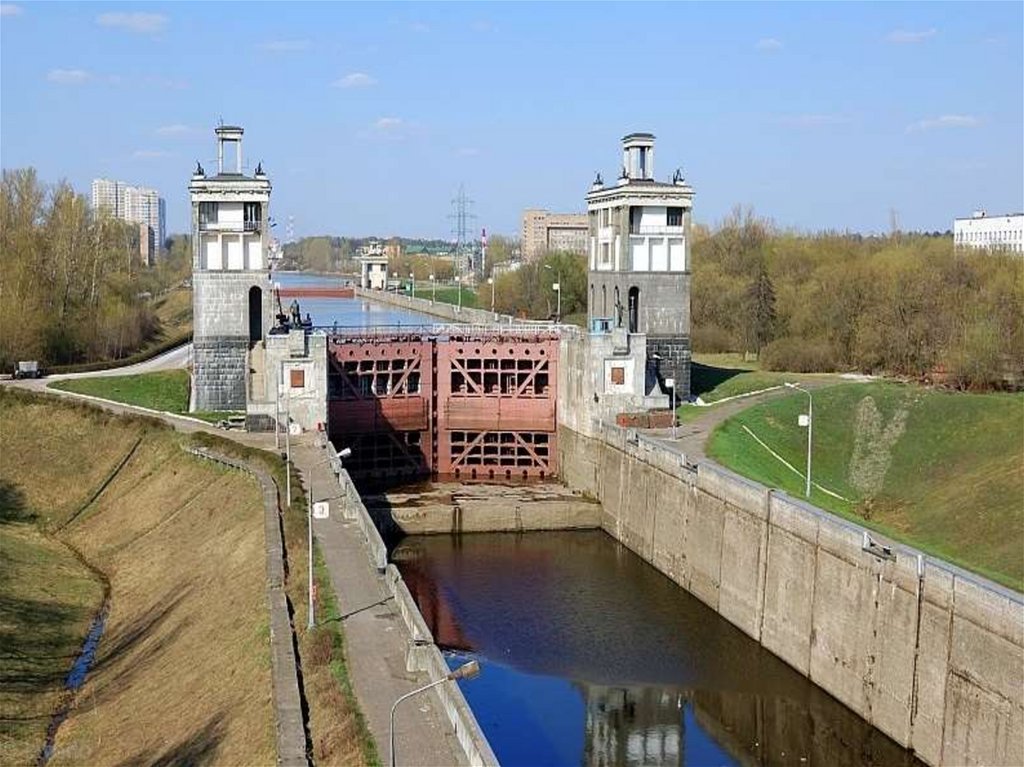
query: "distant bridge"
464, 401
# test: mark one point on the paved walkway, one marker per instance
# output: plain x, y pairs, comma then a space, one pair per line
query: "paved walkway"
691, 438
376, 638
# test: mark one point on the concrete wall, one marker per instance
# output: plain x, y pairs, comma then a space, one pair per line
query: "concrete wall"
422, 655
930, 654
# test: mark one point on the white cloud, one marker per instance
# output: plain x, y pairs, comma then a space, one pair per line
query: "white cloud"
355, 80
143, 23
10, 9
176, 129
812, 120
387, 123
286, 46
945, 121
68, 76
904, 37
769, 44
149, 154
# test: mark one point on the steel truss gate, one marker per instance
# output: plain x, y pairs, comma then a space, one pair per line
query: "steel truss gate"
470, 404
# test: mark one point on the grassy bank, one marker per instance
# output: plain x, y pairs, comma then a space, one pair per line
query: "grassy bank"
182, 673
940, 470
166, 390
337, 727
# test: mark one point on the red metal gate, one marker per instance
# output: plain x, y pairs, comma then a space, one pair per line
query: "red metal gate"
473, 404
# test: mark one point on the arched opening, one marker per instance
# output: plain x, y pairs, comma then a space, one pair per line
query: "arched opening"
255, 314
604, 300
634, 310
618, 308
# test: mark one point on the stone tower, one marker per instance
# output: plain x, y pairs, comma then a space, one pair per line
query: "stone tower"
639, 249
231, 290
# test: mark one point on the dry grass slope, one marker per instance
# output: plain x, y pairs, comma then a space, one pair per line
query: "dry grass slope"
182, 674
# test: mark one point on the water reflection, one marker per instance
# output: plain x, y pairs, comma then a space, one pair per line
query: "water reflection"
592, 657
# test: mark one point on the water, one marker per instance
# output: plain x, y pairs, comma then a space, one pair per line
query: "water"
346, 312
74, 680
590, 656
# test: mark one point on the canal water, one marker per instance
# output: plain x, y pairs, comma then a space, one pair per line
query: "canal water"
590, 656
345, 312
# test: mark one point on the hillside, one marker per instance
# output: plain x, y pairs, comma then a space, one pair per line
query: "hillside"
941, 470
182, 672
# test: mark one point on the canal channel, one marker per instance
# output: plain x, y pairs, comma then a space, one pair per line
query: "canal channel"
592, 657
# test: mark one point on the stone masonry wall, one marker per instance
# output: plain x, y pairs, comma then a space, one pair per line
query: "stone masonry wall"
930, 654
220, 372
674, 363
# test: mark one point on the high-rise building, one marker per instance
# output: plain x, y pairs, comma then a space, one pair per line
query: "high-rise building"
544, 231
137, 205
639, 253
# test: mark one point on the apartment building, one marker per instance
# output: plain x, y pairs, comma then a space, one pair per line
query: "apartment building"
543, 231
137, 205
984, 232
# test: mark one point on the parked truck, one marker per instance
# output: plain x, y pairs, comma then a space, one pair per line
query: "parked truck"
28, 369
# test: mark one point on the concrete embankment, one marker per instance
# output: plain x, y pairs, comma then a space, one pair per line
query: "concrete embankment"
439, 309
452, 507
930, 654
421, 655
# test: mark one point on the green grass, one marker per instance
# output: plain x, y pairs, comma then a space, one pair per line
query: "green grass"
714, 380
166, 390
449, 295
950, 484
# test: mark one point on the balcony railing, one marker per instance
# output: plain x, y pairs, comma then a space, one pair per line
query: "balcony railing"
230, 226
655, 230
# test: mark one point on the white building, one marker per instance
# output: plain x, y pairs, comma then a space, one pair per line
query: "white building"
231, 289
639, 250
982, 231
137, 205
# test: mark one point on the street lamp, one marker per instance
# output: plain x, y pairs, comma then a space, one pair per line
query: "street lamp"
412, 282
808, 421
490, 281
309, 524
557, 287
469, 670
458, 286
433, 288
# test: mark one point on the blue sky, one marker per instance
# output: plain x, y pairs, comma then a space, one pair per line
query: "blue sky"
368, 117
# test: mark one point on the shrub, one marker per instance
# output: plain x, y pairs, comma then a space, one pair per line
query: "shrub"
799, 356
713, 339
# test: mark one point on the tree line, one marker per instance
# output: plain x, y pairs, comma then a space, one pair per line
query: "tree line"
72, 286
905, 304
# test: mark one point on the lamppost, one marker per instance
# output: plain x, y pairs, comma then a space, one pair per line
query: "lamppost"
458, 286
808, 421
345, 453
412, 282
557, 287
490, 281
469, 670
433, 286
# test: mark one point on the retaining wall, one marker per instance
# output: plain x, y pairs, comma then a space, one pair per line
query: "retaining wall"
439, 309
422, 654
930, 654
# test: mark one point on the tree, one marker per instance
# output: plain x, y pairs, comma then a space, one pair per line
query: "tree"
760, 310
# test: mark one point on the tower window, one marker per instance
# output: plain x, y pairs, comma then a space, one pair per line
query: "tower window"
207, 213
252, 217
675, 217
